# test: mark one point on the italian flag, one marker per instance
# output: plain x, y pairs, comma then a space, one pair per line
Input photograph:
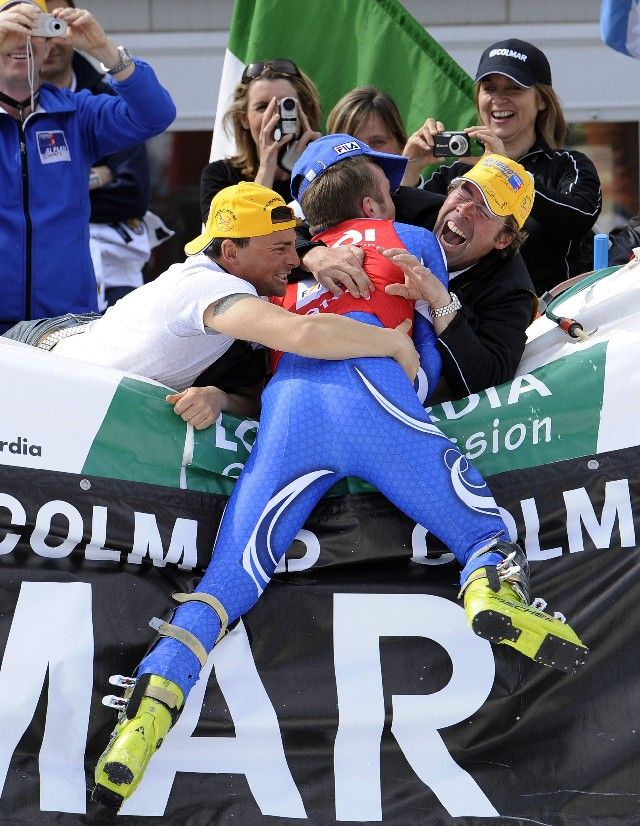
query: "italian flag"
342, 44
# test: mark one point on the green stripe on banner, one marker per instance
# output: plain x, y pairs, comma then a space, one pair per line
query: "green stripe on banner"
145, 447
341, 44
548, 416
220, 452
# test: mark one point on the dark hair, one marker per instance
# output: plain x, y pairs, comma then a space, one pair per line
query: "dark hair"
519, 237
246, 159
351, 112
214, 250
337, 194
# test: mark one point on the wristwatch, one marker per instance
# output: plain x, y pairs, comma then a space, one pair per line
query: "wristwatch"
126, 59
453, 307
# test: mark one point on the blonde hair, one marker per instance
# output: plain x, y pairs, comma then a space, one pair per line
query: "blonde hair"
550, 125
353, 110
246, 159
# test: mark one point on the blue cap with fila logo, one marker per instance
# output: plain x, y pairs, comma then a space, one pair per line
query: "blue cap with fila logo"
331, 149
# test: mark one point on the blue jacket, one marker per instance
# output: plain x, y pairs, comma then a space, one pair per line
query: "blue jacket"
127, 196
45, 265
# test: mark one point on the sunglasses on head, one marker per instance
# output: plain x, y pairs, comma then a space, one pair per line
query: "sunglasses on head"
280, 65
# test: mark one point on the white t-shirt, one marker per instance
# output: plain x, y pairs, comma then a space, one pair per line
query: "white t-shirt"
158, 330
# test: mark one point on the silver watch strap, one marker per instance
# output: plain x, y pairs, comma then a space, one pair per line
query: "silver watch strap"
126, 59
449, 309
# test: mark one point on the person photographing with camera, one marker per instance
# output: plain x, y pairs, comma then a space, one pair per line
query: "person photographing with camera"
57, 135
122, 231
275, 114
521, 118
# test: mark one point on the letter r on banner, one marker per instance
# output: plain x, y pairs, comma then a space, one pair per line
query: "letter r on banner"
360, 620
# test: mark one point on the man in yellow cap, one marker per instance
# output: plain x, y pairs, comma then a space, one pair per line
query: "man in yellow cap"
49, 140
174, 327
481, 319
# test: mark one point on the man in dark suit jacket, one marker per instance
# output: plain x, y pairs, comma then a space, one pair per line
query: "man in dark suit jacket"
484, 339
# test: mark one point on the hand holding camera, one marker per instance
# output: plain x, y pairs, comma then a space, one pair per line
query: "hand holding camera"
86, 34
430, 142
284, 135
288, 124
22, 20
49, 26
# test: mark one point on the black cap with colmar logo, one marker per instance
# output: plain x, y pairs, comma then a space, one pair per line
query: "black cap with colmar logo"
517, 59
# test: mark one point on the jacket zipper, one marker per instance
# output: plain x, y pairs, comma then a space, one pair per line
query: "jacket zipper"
27, 216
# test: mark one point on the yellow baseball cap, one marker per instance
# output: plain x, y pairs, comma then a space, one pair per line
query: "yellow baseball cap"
506, 186
245, 210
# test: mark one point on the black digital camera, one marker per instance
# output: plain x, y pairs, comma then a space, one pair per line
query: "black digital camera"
288, 124
448, 144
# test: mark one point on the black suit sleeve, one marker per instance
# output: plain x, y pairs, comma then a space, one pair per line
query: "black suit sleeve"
484, 343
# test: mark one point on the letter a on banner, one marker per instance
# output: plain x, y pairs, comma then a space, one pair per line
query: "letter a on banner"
360, 620
256, 750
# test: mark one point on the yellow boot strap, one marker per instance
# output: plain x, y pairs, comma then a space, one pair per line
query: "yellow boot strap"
167, 698
213, 603
166, 629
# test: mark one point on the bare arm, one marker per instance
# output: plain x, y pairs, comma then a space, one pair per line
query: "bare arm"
321, 335
419, 150
201, 406
86, 34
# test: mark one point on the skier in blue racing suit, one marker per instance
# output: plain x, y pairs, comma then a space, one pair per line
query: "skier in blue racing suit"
379, 431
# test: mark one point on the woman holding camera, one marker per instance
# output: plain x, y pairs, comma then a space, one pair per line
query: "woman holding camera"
254, 119
521, 118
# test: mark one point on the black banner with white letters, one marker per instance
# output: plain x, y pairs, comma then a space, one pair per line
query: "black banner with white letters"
354, 692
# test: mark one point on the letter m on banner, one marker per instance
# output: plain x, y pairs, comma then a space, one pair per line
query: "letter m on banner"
52, 631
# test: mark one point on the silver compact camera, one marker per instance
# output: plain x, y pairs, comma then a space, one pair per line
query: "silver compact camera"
448, 144
288, 124
49, 26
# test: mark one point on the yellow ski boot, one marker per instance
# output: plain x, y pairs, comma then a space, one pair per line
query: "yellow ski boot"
149, 708
496, 601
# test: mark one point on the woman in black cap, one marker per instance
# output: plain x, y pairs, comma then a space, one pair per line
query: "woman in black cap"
521, 117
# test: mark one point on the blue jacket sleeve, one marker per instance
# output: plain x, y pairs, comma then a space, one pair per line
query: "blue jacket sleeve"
141, 109
424, 245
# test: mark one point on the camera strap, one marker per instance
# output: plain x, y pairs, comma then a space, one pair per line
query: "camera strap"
20, 105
